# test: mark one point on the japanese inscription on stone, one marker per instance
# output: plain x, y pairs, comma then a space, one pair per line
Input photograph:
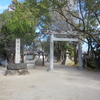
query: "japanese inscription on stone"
17, 51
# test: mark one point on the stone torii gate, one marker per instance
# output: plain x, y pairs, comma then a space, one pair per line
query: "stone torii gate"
53, 38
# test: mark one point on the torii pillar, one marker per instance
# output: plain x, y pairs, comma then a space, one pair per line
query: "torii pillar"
80, 54
51, 52
52, 39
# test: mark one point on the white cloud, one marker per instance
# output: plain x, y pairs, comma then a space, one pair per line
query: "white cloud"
3, 7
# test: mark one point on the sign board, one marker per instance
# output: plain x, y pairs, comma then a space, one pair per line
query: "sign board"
17, 51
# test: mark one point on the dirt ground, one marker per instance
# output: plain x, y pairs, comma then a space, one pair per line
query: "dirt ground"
64, 83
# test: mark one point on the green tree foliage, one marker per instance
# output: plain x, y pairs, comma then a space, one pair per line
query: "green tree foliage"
60, 50
41, 9
46, 46
19, 23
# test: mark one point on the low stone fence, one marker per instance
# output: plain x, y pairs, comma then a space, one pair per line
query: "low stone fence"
31, 63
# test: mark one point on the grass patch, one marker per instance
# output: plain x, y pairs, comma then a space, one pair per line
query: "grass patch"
88, 68
76, 65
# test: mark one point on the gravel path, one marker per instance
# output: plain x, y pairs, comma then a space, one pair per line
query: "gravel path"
64, 83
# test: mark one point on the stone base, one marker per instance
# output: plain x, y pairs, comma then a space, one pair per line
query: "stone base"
19, 69
8, 73
68, 61
50, 70
13, 66
24, 72
80, 68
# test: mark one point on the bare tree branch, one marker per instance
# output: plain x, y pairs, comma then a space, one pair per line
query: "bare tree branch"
96, 15
80, 7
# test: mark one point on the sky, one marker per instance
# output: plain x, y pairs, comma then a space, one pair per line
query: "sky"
4, 4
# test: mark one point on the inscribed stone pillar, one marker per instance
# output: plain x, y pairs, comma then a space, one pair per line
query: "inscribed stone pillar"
17, 51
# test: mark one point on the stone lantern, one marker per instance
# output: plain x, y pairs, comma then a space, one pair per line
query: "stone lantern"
67, 54
67, 61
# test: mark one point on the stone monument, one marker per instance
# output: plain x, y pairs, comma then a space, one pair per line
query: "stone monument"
17, 67
67, 61
17, 51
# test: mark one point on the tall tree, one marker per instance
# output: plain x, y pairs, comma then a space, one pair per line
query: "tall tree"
20, 24
80, 16
77, 10
40, 8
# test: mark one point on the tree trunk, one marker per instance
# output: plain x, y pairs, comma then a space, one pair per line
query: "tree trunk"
22, 52
75, 55
94, 58
22, 56
96, 62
